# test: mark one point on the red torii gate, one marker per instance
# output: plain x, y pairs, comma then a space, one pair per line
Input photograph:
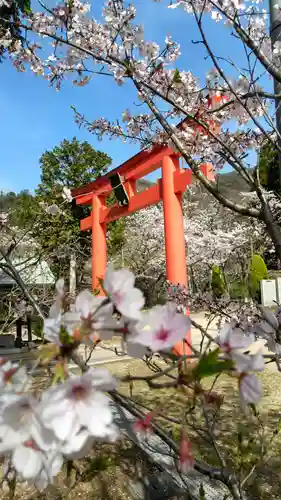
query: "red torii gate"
169, 189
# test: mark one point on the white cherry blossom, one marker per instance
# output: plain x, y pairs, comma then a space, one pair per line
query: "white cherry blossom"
160, 328
35, 465
52, 330
119, 285
12, 375
232, 337
135, 350
78, 446
79, 403
245, 363
18, 421
91, 314
53, 209
250, 389
66, 194
268, 328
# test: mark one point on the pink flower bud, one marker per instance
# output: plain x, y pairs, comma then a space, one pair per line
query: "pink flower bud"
186, 460
144, 424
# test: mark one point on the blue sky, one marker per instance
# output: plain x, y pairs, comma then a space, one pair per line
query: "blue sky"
36, 117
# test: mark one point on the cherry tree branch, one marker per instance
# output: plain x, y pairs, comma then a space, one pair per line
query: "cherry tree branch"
210, 186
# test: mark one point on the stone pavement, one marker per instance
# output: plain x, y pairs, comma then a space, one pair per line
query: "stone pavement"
158, 452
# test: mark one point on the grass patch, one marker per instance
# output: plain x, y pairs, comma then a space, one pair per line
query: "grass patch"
105, 474
235, 432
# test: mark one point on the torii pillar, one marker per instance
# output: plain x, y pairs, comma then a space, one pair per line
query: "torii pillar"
174, 233
173, 223
99, 253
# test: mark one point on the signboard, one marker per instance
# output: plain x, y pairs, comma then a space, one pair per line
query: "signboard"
268, 293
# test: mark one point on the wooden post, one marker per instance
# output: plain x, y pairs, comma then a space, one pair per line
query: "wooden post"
72, 273
29, 329
18, 340
174, 234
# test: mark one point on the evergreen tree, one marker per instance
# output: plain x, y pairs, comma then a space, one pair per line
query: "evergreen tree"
269, 167
72, 164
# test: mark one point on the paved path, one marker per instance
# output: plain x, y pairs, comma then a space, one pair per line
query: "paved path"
106, 355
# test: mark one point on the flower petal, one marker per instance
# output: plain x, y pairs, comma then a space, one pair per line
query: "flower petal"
26, 461
250, 388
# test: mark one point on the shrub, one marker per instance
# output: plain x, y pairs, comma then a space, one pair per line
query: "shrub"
238, 290
258, 272
218, 281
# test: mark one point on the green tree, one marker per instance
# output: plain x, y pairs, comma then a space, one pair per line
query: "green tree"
71, 164
269, 167
7, 200
21, 208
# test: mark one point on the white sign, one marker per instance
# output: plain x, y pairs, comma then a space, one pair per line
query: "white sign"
268, 292
278, 290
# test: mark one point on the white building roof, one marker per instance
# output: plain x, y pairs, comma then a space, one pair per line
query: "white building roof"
32, 272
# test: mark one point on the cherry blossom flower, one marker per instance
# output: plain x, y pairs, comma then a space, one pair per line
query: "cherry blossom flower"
250, 388
268, 328
12, 375
249, 384
119, 285
91, 314
135, 350
160, 328
78, 446
270, 323
56, 308
232, 337
35, 465
77, 412
18, 420
53, 209
66, 194
79, 403
216, 15
248, 362
233, 340
52, 330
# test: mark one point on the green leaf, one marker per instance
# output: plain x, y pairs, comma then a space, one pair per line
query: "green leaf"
210, 365
177, 76
59, 374
202, 492
26, 7
65, 338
